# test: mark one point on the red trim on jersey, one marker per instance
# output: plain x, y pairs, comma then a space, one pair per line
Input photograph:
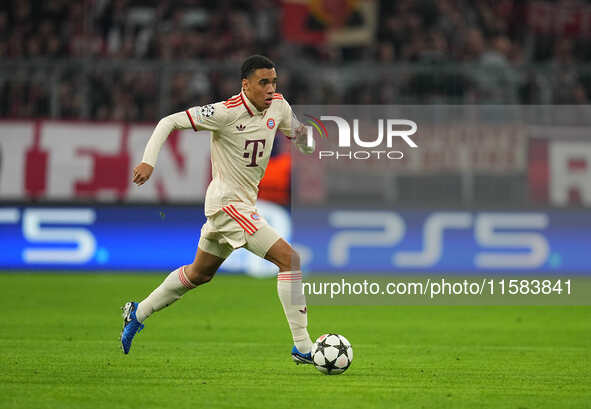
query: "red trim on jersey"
248, 222
244, 102
278, 95
191, 119
238, 220
232, 100
235, 104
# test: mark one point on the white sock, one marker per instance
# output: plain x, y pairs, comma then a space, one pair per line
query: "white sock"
289, 289
172, 288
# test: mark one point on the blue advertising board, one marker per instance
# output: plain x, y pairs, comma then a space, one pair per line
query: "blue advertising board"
132, 238
159, 238
552, 242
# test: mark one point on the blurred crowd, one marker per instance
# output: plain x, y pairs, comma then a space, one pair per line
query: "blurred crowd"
136, 60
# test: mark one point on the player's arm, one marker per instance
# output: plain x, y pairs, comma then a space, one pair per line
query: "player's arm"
166, 125
196, 118
296, 131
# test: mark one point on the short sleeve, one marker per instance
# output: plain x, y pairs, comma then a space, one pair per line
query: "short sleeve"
210, 117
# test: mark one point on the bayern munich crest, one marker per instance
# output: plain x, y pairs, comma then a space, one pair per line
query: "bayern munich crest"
207, 110
254, 216
270, 123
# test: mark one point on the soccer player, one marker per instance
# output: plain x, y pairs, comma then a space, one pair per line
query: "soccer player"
242, 132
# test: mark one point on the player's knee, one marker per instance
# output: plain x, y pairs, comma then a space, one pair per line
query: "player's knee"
295, 261
289, 261
198, 275
205, 278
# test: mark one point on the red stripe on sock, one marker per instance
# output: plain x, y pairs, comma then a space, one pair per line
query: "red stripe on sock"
289, 277
181, 278
184, 280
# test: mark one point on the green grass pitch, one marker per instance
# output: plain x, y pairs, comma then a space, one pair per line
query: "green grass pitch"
226, 345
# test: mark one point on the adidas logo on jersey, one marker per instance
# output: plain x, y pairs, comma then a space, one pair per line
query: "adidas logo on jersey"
240, 127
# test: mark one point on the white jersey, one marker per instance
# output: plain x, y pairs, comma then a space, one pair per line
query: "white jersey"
241, 143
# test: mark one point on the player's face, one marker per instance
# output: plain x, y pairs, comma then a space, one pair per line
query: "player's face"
260, 86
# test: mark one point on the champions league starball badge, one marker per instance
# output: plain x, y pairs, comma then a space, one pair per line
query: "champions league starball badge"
207, 110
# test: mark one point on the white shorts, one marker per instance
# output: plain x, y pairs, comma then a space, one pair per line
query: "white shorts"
235, 226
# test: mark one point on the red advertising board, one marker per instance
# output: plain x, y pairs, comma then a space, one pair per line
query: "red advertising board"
65, 160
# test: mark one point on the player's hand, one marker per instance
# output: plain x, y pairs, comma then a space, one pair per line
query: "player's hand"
300, 133
301, 140
142, 173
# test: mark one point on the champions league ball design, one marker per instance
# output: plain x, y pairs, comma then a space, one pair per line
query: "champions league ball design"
207, 111
332, 354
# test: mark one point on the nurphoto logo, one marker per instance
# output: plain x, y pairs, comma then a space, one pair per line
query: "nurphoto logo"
377, 148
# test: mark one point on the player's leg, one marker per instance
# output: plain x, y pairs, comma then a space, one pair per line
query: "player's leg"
177, 283
210, 255
293, 300
283, 256
268, 244
204, 266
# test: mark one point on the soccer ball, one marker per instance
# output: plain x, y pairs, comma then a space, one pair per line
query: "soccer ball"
332, 354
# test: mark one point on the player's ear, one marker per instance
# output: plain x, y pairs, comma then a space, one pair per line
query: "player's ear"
244, 83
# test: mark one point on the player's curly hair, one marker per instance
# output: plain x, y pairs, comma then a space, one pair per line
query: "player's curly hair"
254, 62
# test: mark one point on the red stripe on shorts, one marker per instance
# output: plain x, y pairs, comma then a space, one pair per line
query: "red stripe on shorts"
244, 218
247, 229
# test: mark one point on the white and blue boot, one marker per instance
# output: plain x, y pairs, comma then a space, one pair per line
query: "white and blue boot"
300, 358
131, 325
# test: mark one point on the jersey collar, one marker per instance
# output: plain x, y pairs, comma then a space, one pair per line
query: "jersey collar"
252, 110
